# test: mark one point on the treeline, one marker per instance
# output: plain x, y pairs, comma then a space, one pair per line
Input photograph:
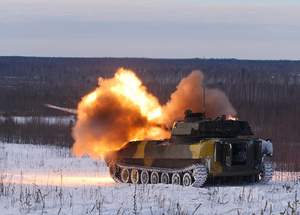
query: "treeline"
265, 93
25, 82
36, 130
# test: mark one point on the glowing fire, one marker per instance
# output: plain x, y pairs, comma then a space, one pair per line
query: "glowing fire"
118, 111
137, 94
121, 110
84, 180
56, 180
232, 118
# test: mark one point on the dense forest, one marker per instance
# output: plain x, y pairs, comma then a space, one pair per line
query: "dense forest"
265, 93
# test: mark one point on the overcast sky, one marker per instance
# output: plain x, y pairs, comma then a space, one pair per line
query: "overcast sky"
244, 29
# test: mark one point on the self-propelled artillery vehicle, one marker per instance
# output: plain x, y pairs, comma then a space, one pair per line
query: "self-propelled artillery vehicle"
199, 149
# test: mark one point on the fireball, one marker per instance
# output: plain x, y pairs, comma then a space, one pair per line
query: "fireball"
118, 111
121, 110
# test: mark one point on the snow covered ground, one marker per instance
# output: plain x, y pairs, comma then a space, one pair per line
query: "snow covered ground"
48, 180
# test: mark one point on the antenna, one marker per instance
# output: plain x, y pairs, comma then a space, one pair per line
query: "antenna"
204, 101
203, 90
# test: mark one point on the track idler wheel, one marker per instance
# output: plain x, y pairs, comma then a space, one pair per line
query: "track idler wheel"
113, 172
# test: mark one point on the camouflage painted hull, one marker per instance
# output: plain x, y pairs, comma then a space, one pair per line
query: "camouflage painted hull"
220, 158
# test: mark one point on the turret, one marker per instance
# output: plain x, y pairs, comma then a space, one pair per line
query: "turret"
195, 125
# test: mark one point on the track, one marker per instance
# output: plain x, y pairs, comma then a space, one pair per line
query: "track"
266, 173
194, 175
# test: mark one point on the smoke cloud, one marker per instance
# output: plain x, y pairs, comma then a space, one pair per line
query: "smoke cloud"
121, 110
189, 95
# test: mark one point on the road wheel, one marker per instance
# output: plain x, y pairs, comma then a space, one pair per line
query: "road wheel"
176, 178
125, 176
145, 177
154, 178
186, 179
134, 176
165, 179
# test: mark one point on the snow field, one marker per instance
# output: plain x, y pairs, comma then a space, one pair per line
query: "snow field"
48, 180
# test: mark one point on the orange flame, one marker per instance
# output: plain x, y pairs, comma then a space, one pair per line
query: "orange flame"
121, 110
118, 111
229, 117
56, 180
